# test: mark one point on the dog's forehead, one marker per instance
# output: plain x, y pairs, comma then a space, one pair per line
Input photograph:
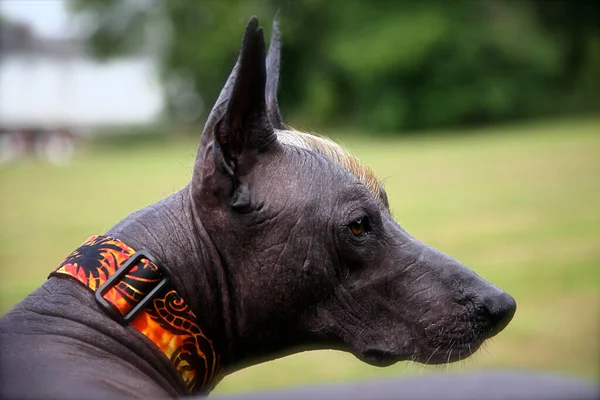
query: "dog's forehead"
338, 155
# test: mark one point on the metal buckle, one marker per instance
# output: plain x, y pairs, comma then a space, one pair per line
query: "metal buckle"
113, 280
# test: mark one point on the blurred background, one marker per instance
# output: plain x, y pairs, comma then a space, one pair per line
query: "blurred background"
483, 117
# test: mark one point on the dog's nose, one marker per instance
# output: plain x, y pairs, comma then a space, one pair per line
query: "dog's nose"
501, 308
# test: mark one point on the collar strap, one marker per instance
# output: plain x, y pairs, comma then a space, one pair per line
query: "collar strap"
133, 289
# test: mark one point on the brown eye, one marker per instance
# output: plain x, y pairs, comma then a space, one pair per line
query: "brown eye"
359, 226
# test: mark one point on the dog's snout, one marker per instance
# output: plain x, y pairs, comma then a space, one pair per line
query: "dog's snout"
501, 308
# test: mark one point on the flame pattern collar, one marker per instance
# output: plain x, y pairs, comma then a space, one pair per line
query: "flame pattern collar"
132, 288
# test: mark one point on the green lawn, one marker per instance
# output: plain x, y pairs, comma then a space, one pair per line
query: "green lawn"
519, 204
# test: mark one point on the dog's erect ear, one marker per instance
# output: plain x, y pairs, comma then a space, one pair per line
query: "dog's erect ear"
273, 64
238, 124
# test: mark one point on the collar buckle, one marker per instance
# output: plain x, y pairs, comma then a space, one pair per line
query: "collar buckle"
114, 280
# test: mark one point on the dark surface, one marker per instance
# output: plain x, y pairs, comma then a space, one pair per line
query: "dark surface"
476, 385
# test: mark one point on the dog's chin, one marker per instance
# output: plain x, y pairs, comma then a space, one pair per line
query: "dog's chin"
380, 358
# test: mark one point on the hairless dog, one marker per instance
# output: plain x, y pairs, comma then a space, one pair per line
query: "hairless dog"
281, 242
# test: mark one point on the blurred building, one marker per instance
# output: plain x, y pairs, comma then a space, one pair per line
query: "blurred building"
52, 90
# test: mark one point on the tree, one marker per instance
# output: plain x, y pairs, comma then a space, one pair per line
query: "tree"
381, 65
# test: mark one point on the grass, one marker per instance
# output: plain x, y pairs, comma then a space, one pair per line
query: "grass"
519, 204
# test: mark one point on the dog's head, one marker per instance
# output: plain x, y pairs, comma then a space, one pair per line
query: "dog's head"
309, 248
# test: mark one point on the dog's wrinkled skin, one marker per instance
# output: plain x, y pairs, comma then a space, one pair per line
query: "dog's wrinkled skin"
277, 249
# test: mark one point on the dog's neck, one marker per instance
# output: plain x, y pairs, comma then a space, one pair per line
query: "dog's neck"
210, 282
174, 235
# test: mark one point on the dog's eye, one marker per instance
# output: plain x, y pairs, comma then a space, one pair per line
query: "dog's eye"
360, 226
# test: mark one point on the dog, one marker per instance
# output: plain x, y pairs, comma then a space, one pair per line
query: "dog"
281, 242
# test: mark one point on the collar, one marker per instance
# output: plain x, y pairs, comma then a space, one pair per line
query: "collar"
133, 289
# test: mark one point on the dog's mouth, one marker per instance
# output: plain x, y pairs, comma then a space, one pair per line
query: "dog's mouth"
440, 355
446, 340
447, 354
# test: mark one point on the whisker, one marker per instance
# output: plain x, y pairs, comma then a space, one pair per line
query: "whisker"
448, 362
426, 363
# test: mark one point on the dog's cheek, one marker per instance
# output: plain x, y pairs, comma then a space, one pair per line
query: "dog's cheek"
314, 283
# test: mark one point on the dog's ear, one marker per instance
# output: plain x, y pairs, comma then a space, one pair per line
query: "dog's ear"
238, 127
273, 65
